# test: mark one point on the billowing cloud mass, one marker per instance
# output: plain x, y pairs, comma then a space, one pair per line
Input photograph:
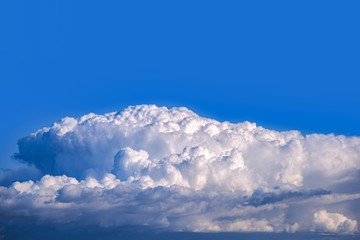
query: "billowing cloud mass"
334, 222
172, 169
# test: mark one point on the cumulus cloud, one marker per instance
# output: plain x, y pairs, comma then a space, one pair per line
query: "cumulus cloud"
334, 222
172, 169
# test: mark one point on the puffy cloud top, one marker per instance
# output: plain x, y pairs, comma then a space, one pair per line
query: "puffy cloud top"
163, 147
178, 170
333, 222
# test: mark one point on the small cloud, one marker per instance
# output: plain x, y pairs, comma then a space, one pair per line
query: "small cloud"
334, 222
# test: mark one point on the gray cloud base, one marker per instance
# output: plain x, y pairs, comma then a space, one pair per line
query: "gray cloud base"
172, 169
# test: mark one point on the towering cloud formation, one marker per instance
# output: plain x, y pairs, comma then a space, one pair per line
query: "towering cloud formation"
171, 168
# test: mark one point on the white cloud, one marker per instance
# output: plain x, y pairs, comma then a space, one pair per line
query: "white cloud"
172, 169
334, 222
168, 145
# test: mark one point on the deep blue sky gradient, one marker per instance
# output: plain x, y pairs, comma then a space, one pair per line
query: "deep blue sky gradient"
283, 64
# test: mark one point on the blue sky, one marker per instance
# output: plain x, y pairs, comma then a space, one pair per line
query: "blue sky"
285, 65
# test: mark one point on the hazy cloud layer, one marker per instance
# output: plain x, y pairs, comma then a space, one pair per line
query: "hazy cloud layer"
171, 169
